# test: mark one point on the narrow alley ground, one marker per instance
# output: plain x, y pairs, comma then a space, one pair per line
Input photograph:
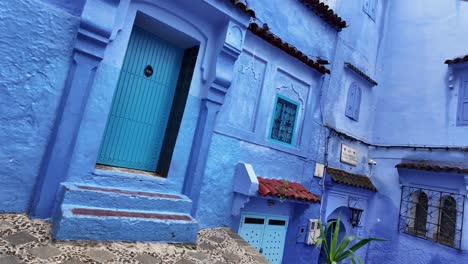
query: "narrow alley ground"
23, 240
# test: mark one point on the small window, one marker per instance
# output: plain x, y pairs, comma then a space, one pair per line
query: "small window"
432, 215
353, 102
448, 221
255, 221
370, 7
462, 119
420, 214
284, 120
277, 222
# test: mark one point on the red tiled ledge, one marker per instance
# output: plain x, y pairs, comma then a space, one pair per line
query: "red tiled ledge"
361, 73
285, 189
243, 7
432, 167
351, 179
457, 60
110, 213
265, 33
325, 13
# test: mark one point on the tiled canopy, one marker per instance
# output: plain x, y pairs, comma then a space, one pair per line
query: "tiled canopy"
355, 180
285, 189
457, 60
432, 167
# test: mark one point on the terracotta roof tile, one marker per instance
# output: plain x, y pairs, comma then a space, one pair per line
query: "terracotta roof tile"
285, 189
457, 60
432, 167
243, 7
265, 33
326, 13
361, 73
355, 180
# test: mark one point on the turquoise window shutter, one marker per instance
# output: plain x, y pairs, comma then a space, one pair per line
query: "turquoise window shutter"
357, 103
463, 104
284, 120
353, 102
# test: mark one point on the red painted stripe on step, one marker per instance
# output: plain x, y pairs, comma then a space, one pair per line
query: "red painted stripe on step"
99, 212
160, 195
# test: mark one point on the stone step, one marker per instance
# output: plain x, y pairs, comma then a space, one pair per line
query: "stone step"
118, 198
103, 224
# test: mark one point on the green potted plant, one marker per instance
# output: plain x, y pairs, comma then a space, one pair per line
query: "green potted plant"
336, 249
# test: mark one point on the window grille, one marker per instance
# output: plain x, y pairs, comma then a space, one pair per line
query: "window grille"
433, 215
284, 120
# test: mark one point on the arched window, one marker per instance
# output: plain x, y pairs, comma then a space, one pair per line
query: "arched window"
448, 221
420, 215
433, 215
353, 102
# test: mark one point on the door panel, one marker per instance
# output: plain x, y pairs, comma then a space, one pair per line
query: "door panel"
267, 234
274, 238
140, 110
252, 228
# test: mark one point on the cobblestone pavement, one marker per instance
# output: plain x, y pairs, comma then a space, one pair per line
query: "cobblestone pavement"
23, 240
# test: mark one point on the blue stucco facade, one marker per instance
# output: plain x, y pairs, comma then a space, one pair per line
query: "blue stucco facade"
61, 65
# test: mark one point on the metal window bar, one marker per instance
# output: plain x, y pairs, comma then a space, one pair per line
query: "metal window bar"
444, 213
284, 121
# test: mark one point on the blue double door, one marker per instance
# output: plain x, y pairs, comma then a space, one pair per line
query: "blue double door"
266, 233
142, 103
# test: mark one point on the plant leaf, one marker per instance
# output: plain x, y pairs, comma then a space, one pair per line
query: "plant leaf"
364, 242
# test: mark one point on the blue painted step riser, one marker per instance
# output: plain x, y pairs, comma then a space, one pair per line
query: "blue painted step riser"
125, 229
123, 201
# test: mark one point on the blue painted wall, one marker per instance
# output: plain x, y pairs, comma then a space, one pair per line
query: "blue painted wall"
75, 7
415, 95
35, 59
403, 48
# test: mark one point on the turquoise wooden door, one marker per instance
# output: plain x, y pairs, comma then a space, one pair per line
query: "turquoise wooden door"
142, 103
266, 233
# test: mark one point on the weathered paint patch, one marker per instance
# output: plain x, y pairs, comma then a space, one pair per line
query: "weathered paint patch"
35, 47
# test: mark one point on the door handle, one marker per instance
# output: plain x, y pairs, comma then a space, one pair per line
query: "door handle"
261, 250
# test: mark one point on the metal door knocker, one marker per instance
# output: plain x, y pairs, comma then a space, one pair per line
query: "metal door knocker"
148, 71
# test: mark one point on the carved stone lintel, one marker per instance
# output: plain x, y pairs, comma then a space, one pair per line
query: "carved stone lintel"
96, 27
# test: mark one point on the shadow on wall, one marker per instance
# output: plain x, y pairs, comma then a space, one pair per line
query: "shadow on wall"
402, 248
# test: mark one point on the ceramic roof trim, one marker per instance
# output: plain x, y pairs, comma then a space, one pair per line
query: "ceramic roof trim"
361, 73
457, 60
265, 33
432, 167
285, 189
325, 13
355, 180
243, 7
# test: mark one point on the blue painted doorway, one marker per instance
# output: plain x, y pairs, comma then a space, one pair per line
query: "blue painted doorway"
142, 103
266, 233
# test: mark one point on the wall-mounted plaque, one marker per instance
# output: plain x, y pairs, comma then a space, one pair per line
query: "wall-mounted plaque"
348, 155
